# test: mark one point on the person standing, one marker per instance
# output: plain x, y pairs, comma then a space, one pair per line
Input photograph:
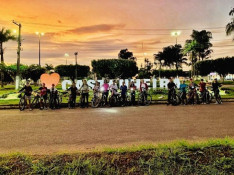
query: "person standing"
215, 87
171, 87
84, 94
105, 90
123, 89
72, 97
43, 96
202, 89
183, 88
143, 91
28, 92
133, 93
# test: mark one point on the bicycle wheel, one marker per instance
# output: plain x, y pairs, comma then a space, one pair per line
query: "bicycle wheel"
22, 104
219, 99
148, 100
175, 100
139, 99
112, 101
95, 102
35, 102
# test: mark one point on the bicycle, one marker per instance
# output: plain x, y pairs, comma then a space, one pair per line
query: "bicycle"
97, 100
174, 98
144, 98
55, 99
36, 100
193, 96
22, 102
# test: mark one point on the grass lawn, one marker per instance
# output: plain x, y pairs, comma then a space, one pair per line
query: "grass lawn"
181, 157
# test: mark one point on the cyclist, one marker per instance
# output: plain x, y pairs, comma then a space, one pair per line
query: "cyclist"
84, 94
215, 87
123, 89
28, 92
43, 96
133, 92
73, 89
143, 90
114, 88
183, 88
202, 89
171, 85
96, 89
105, 90
192, 90
53, 95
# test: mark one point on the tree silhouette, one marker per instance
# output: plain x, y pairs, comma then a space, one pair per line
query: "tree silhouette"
125, 54
5, 35
172, 56
230, 25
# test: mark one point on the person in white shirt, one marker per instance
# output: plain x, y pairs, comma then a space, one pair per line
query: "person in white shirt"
84, 94
114, 88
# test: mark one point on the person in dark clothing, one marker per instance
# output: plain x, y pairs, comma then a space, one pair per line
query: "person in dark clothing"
202, 89
123, 89
43, 96
72, 98
171, 85
133, 93
215, 87
28, 92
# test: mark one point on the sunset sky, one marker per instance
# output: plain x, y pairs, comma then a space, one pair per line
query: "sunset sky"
98, 29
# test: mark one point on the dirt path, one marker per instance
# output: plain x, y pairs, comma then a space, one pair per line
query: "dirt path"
41, 132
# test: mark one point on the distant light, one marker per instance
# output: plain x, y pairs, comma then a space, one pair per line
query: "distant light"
37, 33
42, 34
145, 54
14, 31
66, 55
177, 33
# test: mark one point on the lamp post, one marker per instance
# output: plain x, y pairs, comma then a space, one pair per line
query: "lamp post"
39, 36
175, 34
17, 78
76, 54
66, 55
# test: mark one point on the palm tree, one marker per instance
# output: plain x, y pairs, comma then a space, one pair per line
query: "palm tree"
203, 45
230, 25
172, 56
5, 35
191, 51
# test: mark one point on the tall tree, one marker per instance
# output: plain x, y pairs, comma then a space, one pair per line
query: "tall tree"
5, 35
190, 50
203, 43
172, 56
230, 25
125, 54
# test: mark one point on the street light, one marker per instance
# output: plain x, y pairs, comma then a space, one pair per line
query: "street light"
39, 36
17, 78
76, 54
66, 55
175, 34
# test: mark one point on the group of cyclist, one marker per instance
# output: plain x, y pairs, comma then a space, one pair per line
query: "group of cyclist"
109, 92
52, 93
192, 88
43, 94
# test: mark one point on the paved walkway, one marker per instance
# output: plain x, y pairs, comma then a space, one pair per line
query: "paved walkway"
41, 132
